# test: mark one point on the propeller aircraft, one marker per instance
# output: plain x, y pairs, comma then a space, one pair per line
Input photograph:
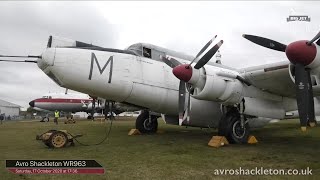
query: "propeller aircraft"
190, 91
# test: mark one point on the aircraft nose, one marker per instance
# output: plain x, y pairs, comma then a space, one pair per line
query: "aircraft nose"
31, 103
47, 58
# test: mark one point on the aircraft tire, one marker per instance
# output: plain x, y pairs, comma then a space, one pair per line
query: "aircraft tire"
230, 127
143, 124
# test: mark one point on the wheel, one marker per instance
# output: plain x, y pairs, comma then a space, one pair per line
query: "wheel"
144, 125
230, 127
58, 139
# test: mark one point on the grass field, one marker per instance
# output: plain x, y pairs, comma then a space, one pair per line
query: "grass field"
178, 153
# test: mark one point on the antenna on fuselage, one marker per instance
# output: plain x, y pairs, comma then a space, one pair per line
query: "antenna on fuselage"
66, 92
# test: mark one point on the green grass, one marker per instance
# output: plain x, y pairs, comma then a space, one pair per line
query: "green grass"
178, 153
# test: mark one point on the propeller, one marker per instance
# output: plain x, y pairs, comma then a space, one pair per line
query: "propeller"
203, 49
29, 56
201, 59
268, 43
207, 56
317, 37
171, 62
23, 61
181, 99
300, 54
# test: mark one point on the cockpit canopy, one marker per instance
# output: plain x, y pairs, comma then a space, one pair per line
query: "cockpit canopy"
154, 52
136, 48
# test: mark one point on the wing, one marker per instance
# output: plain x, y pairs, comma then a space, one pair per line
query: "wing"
274, 78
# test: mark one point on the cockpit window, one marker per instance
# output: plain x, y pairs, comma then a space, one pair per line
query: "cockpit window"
146, 52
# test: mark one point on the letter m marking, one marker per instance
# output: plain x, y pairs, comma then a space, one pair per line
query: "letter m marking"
94, 59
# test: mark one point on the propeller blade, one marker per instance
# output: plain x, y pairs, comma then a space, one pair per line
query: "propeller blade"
311, 113
170, 61
314, 39
188, 107
203, 49
301, 81
29, 56
205, 58
182, 98
25, 61
268, 43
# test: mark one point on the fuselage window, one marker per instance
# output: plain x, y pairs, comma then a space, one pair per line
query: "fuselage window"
146, 52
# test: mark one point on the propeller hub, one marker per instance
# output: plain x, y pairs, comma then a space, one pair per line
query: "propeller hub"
300, 53
183, 72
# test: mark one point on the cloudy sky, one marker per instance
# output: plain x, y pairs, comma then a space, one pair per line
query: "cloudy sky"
181, 26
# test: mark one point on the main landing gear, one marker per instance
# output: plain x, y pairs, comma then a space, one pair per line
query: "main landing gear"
146, 122
234, 127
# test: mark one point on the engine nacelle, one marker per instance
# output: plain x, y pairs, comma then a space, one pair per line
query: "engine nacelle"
207, 114
315, 64
264, 108
202, 114
212, 86
259, 122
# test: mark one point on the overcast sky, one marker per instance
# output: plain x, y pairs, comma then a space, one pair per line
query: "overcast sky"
181, 26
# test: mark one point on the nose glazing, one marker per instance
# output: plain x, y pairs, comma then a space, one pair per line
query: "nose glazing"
31, 103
